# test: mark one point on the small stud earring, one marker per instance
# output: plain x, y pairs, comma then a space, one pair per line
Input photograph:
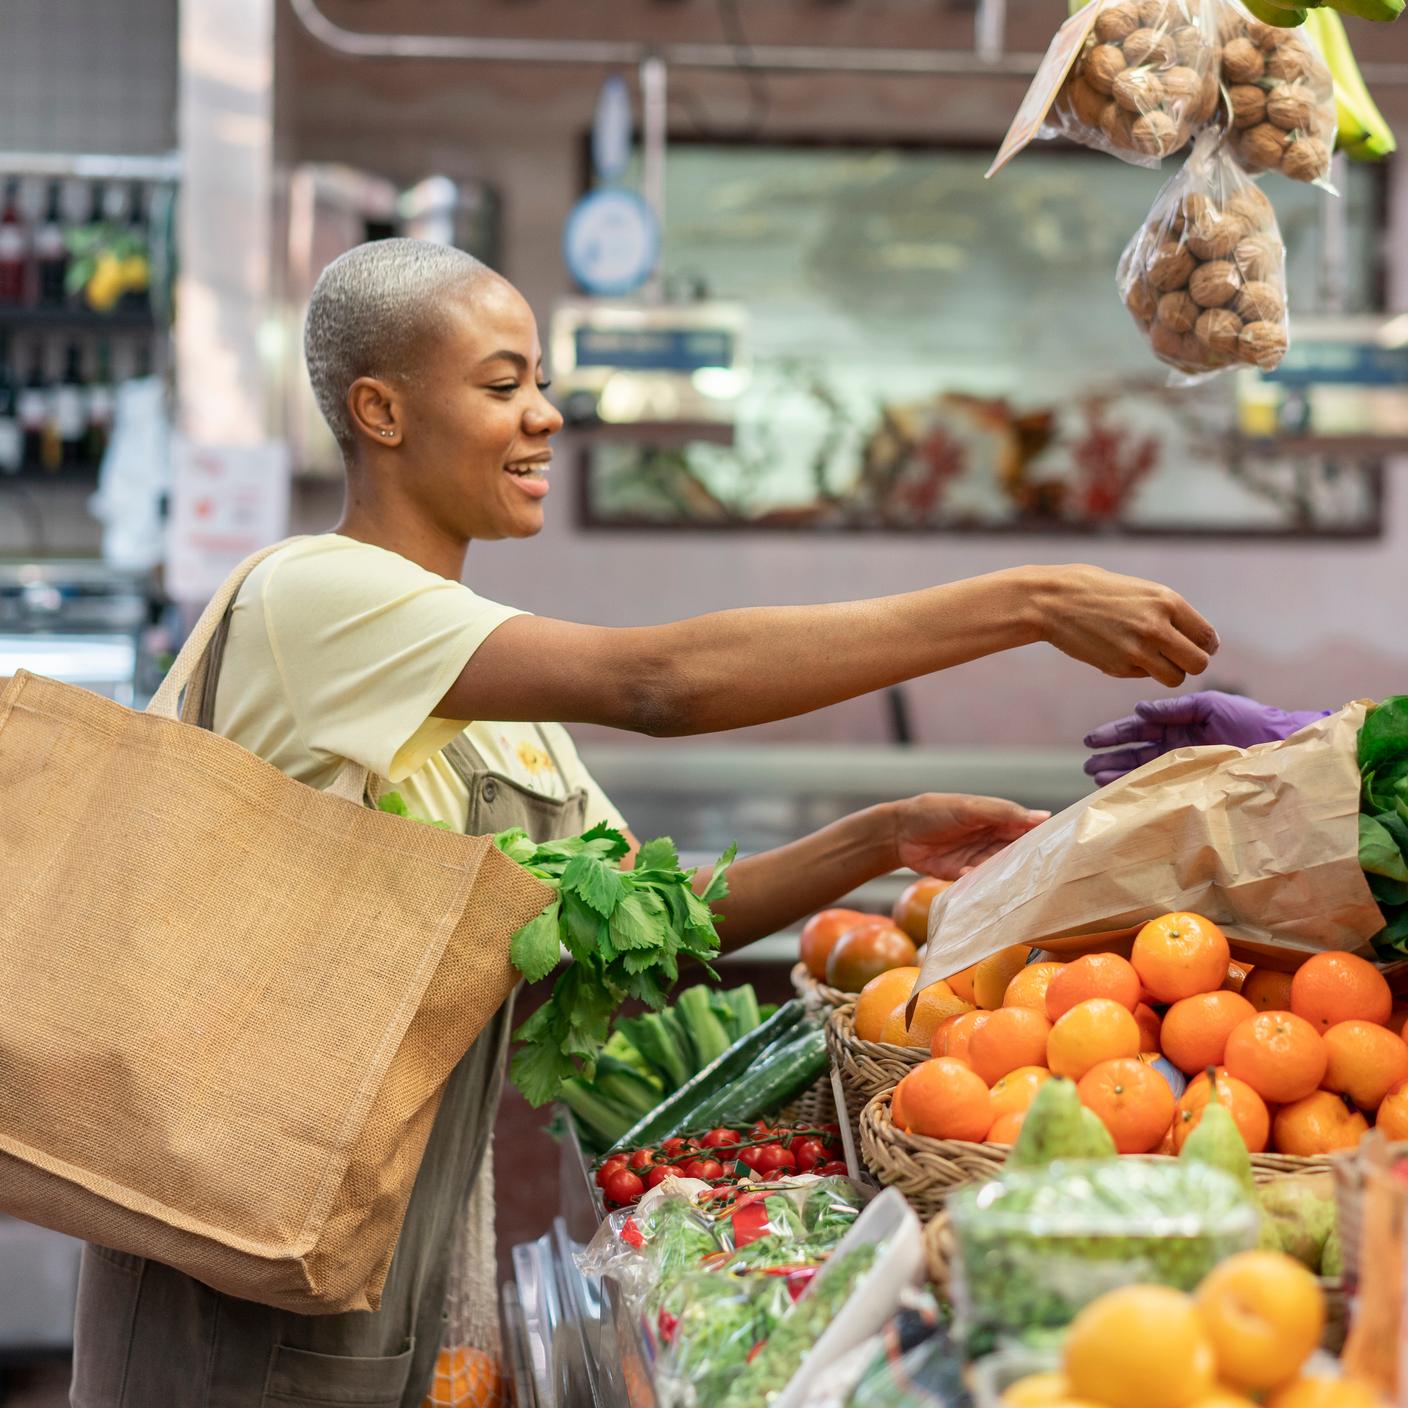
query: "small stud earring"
388, 432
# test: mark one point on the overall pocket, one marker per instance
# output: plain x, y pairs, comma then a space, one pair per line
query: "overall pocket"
299, 1378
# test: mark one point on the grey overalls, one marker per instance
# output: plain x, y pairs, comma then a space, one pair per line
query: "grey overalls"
150, 1337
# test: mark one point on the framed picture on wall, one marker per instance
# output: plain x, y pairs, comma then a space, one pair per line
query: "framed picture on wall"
933, 352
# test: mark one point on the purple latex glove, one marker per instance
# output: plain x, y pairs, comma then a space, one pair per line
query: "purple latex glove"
1188, 721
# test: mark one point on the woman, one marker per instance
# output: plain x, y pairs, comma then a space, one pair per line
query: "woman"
364, 644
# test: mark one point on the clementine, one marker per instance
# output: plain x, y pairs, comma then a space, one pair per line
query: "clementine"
960, 1035
1392, 1117
1179, 955
1268, 990
1366, 1062
466, 1378
1149, 1023
1011, 1037
945, 1100
1325, 1393
1281, 1056
1014, 1092
992, 974
878, 999
938, 1043
1134, 1102
1247, 1108
1321, 1123
1093, 975
1098, 1029
911, 911
1028, 988
934, 1004
1339, 987
1006, 1128
961, 983
819, 935
1195, 1029
897, 1110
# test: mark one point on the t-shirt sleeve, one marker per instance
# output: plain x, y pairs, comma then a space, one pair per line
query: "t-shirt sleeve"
366, 644
600, 807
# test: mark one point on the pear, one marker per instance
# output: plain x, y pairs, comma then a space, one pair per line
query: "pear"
1332, 1256
1217, 1140
1300, 1217
1058, 1126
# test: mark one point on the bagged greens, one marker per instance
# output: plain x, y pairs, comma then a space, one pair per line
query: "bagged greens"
1383, 819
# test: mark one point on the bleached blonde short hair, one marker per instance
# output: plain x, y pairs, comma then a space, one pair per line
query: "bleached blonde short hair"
371, 312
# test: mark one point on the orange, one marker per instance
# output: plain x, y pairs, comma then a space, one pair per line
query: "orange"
1247, 1108
1150, 1024
1011, 1037
466, 1378
958, 1037
1134, 1102
935, 1004
1281, 1056
1319, 1124
911, 911
1093, 975
819, 935
1326, 1393
878, 998
1339, 987
1263, 1312
1267, 990
1366, 1062
991, 975
1236, 976
961, 983
1045, 1390
1392, 1117
1006, 1128
945, 1100
1098, 1029
938, 1043
1179, 955
1014, 1092
1139, 1347
1028, 988
1224, 1398
897, 1110
1195, 1029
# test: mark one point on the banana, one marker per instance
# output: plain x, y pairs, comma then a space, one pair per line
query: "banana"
1380, 10
1276, 15
1363, 133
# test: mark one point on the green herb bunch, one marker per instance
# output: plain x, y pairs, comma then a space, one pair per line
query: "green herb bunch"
1383, 819
624, 929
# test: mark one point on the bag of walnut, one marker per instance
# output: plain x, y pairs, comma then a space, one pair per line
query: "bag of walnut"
1280, 97
1145, 79
1205, 278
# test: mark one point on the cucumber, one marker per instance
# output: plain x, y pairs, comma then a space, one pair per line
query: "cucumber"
680, 1110
780, 1075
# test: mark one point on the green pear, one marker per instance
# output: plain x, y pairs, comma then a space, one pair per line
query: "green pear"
1217, 1141
1302, 1216
1332, 1256
1058, 1126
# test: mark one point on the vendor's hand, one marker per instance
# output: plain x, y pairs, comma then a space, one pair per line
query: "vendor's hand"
946, 835
1124, 626
1187, 721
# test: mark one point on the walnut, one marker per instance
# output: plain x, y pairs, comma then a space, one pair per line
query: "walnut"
1306, 159
1084, 102
1137, 90
1148, 46
1260, 302
1253, 207
1208, 98
1188, 45
1102, 66
1263, 344
1197, 356
1156, 134
1218, 330
1159, 14
1262, 146
1242, 62
1166, 343
1216, 236
1291, 107
1230, 24
1115, 124
1258, 257
1289, 60
1248, 104
1196, 207
1177, 311
1142, 301
1261, 34
1214, 283
1169, 267
1182, 85
1114, 22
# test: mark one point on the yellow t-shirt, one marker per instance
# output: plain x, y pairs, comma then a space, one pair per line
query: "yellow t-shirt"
338, 649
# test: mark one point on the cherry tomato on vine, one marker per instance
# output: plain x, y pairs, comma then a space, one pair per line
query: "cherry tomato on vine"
640, 1160
608, 1168
720, 1138
835, 1169
623, 1187
773, 1158
808, 1153
661, 1172
707, 1169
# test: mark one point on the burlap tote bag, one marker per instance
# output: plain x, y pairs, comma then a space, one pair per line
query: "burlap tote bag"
231, 1001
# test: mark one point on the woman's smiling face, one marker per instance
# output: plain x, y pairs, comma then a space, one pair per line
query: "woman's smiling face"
475, 421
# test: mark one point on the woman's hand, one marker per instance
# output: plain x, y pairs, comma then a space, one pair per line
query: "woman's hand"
945, 834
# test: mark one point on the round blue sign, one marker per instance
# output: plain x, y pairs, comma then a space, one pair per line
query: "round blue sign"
611, 242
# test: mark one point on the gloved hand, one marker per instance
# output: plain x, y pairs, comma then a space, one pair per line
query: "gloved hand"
1188, 721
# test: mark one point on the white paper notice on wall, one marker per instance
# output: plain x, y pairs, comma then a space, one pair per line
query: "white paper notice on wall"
227, 502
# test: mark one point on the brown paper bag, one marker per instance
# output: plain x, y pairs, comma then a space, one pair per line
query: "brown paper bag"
1263, 841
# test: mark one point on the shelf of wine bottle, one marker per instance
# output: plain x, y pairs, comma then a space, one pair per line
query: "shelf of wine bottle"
17, 318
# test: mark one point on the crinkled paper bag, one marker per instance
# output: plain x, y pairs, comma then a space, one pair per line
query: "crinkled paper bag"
1263, 841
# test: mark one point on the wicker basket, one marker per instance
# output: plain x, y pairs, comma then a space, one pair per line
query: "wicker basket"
866, 1068
816, 996
1349, 1204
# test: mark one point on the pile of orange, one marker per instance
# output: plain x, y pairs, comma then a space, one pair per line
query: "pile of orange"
466, 1378
1305, 1063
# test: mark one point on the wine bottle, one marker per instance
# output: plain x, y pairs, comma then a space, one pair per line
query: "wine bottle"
50, 251
71, 409
33, 408
11, 441
14, 246
100, 406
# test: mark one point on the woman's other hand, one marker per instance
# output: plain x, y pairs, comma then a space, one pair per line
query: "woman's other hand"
944, 834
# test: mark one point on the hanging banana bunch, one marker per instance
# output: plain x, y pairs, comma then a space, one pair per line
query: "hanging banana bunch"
1363, 133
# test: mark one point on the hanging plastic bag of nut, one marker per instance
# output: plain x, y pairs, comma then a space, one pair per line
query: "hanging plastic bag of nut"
1280, 95
1205, 278
1144, 81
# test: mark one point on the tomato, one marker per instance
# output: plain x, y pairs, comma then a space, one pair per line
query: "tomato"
661, 1172
720, 1138
749, 1155
761, 1130
835, 1169
773, 1158
641, 1160
867, 952
677, 1145
608, 1168
808, 1153
819, 935
707, 1169
622, 1187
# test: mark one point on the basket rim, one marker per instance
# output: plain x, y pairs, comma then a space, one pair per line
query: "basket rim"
842, 1020
803, 982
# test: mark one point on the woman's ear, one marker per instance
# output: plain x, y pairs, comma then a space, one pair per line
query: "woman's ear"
374, 410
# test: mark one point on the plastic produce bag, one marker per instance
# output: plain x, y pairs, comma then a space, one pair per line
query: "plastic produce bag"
913, 1364
1280, 97
1034, 1248
1205, 278
1144, 81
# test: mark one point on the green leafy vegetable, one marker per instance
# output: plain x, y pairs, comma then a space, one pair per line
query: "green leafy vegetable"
1383, 819
394, 803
